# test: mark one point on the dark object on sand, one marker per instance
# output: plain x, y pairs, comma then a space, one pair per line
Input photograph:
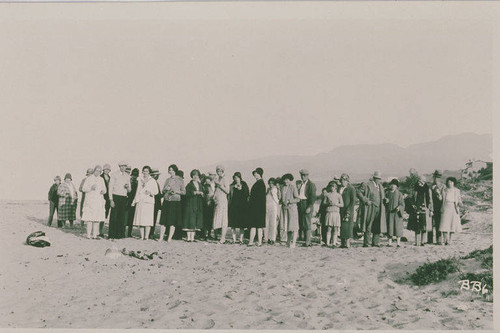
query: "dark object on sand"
139, 255
38, 239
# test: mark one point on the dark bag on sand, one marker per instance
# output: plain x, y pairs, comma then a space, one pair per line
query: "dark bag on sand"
38, 239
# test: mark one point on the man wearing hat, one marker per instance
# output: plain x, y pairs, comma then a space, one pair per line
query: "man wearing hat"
119, 187
155, 174
106, 169
371, 210
437, 188
90, 172
348, 193
53, 198
307, 196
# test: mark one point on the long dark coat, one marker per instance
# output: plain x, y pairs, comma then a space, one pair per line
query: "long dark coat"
238, 206
347, 212
193, 209
257, 205
367, 217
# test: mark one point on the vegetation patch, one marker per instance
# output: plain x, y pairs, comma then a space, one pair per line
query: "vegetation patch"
435, 272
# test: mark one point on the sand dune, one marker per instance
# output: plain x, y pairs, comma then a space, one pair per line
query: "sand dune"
72, 284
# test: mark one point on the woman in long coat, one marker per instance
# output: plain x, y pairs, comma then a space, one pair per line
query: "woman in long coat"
94, 210
238, 207
68, 199
290, 216
193, 210
348, 193
208, 206
257, 208
421, 219
395, 209
450, 214
144, 202
220, 198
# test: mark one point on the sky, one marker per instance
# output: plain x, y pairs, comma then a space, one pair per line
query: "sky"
82, 89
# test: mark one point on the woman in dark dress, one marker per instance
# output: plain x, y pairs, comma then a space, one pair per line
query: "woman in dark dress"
238, 207
193, 209
131, 195
257, 208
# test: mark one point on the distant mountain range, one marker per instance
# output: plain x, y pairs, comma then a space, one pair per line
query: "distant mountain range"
359, 161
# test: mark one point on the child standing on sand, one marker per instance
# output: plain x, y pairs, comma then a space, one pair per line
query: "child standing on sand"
332, 217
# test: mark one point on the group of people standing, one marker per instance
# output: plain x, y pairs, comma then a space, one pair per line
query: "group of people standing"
281, 211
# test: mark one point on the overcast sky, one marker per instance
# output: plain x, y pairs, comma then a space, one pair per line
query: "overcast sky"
74, 93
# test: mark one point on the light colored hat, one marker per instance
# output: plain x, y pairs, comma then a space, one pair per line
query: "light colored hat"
106, 167
220, 167
90, 171
304, 172
344, 176
155, 171
57, 178
377, 174
336, 178
122, 162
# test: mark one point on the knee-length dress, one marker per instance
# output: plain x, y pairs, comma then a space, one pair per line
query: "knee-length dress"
94, 205
395, 209
333, 204
272, 204
238, 206
290, 213
68, 198
171, 210
450, 216
257, 205
220, 199
144, 202
193, 209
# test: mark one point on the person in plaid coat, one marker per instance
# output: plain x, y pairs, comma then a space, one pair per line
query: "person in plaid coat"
68, 198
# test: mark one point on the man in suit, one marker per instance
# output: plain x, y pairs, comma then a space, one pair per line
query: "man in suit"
53, 199
372, 210
119, 188
307, 195
437, 202
155, 174
106, 169
348, 193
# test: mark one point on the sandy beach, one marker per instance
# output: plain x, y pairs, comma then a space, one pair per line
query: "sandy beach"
72, 284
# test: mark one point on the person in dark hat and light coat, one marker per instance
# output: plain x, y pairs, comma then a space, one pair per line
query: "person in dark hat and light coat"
348, 193
371, 210
307, 196
90, 172
395, 210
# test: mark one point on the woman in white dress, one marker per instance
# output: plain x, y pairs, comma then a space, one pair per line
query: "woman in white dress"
272, 207
94, 210
220, 198
450, 214
144, 202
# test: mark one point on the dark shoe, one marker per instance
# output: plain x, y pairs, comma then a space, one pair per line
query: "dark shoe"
364, 245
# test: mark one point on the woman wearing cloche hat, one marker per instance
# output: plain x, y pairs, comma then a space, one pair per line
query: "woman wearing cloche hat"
395, 209
68, 198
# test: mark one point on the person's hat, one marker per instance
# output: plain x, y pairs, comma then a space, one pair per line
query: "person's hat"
438, 173
422, 178
258, 171
155, 171
220, 167
377, 175
332, 183
122, 162
68, 176
128, 168
394, 182
57, 178
344, 176
90, 171
304, 172
106, 167
135, 172
336, 178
